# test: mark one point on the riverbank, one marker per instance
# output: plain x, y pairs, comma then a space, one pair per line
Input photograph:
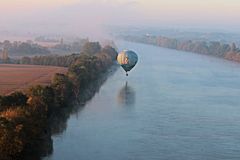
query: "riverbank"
25, 129
213, 48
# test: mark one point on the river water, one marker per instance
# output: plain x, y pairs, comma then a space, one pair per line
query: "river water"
173, 105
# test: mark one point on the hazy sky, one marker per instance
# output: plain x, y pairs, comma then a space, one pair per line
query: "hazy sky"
71, 16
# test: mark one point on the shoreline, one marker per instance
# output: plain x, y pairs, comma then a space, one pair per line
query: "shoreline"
213, 48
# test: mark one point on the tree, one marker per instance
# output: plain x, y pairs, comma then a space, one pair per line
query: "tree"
233, 47
62, 87
14, 99
11, 143
91, 48
41, 97
18, 99
110, 51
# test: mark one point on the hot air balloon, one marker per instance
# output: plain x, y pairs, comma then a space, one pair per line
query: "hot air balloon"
127, 59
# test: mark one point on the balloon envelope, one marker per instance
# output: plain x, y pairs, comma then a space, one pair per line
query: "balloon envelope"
127, 59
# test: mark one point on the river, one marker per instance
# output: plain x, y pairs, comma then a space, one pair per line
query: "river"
173, 105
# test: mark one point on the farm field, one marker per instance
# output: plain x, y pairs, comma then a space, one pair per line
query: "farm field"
14, 77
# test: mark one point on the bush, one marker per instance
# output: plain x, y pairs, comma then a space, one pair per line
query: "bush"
14, 99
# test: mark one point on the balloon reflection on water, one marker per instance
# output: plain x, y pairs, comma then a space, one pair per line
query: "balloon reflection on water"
126, 95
